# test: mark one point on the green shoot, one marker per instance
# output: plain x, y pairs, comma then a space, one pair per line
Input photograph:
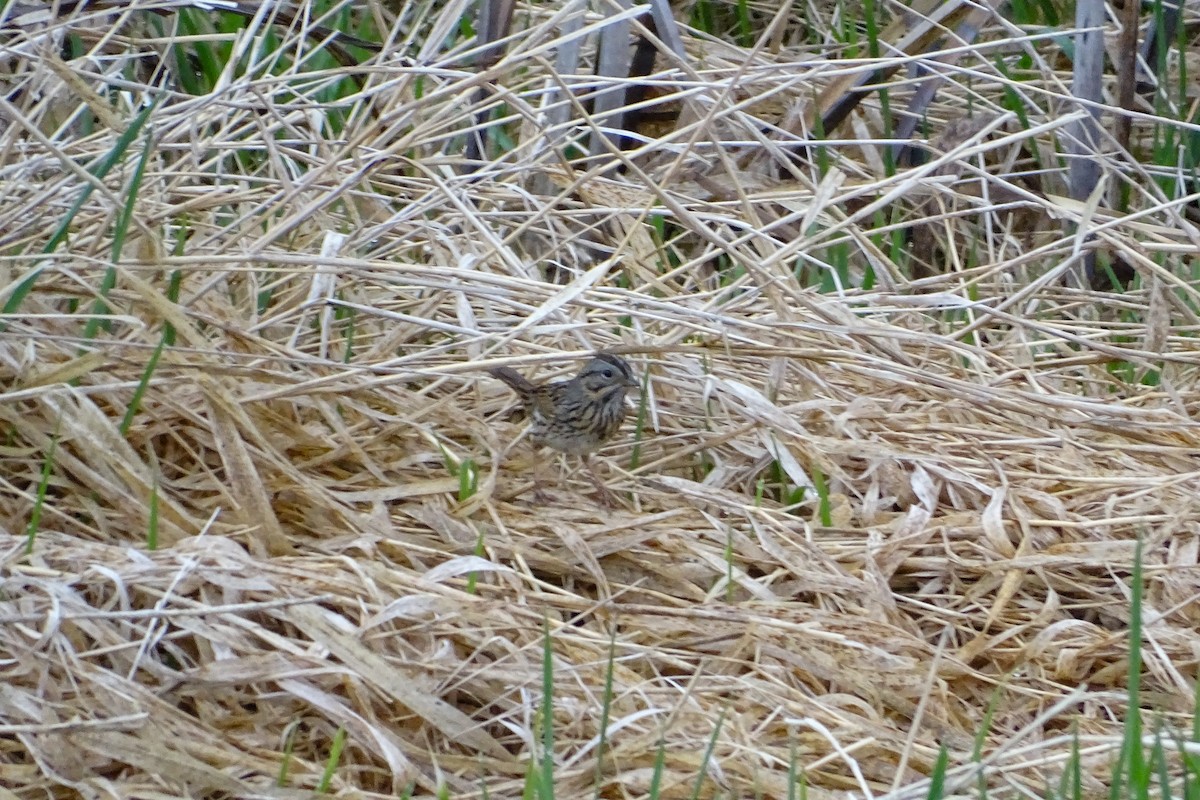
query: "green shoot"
152, 522
35, 516
289, 743
331, 763
547, 761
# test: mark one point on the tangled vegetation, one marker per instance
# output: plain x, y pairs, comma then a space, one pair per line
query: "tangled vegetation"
908, 507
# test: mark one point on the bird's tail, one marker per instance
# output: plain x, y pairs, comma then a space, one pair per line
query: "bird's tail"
515, 380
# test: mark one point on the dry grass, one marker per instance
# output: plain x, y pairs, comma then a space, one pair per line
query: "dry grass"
985, 437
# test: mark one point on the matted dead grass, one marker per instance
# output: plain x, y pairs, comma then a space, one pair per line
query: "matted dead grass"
985, 437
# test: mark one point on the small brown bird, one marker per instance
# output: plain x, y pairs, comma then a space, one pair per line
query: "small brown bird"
578, 415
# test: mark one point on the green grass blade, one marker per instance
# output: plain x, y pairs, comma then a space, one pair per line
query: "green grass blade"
473, 578
605, 711
119, 233
547, 765
635, 456
660, 762
335, 757
152, 523
937, 779
708, 752
35, 516
140, 392
102, 169
289, 744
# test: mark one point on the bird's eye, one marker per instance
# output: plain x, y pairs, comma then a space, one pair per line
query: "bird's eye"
608, 373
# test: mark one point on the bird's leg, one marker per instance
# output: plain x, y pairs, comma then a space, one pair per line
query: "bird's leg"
603, 494
539, 491
539, 482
